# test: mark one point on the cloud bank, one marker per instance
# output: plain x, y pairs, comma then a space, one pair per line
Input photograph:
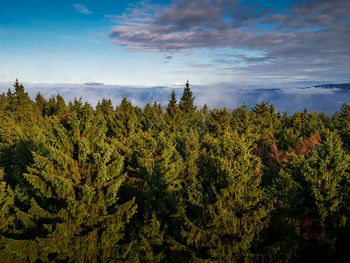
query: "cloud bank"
324, 98
307, 40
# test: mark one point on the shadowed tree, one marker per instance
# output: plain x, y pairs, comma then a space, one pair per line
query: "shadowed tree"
173, 116
69, 209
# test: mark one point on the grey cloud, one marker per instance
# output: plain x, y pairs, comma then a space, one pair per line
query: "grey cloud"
167, 59
186, 25
201, 24
185, 15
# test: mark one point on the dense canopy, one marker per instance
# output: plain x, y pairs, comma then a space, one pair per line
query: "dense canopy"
170, 184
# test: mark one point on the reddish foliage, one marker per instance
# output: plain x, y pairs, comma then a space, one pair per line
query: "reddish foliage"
271, 155
307, 223
307, 146
65, 118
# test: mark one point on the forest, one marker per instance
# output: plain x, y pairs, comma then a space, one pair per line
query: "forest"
174, 183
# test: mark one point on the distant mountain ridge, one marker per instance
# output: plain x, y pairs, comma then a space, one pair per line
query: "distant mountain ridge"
334, 86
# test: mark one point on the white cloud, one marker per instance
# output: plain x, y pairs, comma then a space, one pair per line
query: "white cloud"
80, 8
317, 98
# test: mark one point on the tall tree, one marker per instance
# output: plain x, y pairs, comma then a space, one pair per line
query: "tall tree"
173, 117
186, 102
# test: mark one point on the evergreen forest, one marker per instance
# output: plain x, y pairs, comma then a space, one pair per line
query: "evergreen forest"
174, 183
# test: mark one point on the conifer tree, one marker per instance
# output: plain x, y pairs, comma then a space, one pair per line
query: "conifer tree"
201, 122
186, 102
208, 185
69, 210
310, 210
40, 103
126, 119
6, 203
173, 117
61, 107
157, 169
343, 123
152, 119
241, 120
233, 209
105, 109
328, 174
19, 102
188, 146
219, 122
172, 108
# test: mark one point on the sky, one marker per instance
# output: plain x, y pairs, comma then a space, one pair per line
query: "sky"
267, 43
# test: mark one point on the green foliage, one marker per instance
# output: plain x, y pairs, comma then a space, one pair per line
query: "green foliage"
186, 104
174, 184
219, 122
342, 122
126, 120
69, 209
233, 208
173, 116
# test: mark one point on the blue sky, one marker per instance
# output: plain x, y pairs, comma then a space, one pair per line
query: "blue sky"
148, 43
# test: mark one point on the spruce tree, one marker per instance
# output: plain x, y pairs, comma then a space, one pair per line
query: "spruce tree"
173, 117
69, 209
342, 122
156, 169
126, 119
311, 195
152, 119
40, 103
61, 107
233, 210
186, 102
219, 122
6, 203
